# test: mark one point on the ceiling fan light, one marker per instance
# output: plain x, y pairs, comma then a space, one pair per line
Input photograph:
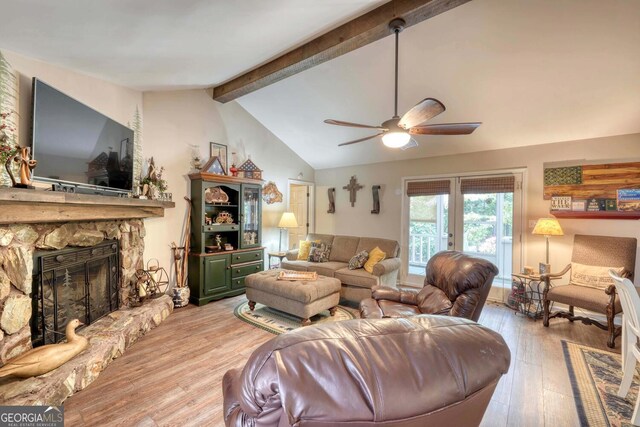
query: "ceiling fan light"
395, 139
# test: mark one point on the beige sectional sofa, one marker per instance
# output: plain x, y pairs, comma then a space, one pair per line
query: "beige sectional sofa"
356, 284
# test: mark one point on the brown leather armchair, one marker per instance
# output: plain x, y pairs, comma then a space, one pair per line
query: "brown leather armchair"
425, 371
603, 251
455, 285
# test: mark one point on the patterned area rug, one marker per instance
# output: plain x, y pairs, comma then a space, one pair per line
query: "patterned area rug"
595, 377
278, 322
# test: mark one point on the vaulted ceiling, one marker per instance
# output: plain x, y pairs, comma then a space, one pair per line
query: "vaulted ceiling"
533, 71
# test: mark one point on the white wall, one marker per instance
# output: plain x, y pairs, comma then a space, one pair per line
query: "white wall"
173, 120
359, 221
116, 102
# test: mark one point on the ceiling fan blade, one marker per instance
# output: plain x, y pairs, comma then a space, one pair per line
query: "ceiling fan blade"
423, 111
445, 129
353, 125
412, 143
360, 140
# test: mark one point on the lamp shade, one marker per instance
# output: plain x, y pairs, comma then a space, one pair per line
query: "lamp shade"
396, 139
288, 220
548, 227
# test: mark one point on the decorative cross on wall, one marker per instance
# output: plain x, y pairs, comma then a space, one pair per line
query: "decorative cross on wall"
352, 188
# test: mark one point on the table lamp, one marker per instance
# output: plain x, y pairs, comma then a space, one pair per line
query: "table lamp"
547, 227
288, 220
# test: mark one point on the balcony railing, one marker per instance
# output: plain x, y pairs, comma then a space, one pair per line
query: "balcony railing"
423, 246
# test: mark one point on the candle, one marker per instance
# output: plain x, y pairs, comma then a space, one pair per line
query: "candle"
142, 291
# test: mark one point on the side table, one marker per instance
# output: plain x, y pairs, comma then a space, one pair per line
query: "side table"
278, 255
527, 293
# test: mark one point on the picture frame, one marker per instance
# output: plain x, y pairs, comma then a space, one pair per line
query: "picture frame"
219, 151
561, 203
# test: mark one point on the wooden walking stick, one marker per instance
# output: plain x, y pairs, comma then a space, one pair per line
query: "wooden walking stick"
177, 263
187, 242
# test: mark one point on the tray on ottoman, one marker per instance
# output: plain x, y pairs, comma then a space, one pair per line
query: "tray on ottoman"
302, 298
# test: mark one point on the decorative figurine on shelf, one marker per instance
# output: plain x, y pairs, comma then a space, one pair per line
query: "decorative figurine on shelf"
22, 156
249, 170
196, 158
250, 237
224, 217
219, 241
233, 170
27, 165
153, 185
215, 195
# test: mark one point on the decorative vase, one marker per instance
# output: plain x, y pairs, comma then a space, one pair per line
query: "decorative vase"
181, 296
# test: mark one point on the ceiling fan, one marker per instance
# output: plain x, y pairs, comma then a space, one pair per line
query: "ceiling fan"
396, 132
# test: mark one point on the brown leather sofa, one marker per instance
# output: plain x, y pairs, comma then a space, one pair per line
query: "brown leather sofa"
455, 285
419, 371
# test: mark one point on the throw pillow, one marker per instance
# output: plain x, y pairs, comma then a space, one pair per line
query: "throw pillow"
593, 276
375, 256
358, 260
304, 249
319, 252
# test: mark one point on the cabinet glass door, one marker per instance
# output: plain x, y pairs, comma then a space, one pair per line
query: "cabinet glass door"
250, 216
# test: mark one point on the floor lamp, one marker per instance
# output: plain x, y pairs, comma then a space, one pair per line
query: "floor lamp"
288, 220
547, 227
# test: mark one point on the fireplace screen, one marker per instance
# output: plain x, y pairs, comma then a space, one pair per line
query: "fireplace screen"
73, 284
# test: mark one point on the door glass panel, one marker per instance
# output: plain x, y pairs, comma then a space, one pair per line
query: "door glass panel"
428, 229
488, 230
251, 216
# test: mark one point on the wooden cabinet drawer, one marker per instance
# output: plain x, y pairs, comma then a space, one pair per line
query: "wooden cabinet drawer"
244, 270
221, 227
242, 257
237, 283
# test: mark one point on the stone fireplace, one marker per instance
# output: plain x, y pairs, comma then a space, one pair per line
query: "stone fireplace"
73, 283
86, 250
19, 244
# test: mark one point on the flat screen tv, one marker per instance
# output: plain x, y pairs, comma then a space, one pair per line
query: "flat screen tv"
75, 144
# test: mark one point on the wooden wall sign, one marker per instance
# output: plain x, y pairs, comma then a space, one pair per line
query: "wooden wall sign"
332, 200
375, 189
591, 181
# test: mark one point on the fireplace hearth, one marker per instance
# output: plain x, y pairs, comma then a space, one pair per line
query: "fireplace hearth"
73, 283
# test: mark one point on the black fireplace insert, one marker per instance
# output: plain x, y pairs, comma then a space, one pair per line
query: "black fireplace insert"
73, 283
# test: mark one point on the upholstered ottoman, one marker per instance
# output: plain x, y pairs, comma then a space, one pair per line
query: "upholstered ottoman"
300, 298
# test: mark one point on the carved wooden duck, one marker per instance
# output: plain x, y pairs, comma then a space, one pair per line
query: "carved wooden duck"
41, 360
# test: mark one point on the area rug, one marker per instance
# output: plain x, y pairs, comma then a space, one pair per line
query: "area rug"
595, 377
278, 322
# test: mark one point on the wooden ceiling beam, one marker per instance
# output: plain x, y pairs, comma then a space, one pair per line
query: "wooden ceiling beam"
361, 31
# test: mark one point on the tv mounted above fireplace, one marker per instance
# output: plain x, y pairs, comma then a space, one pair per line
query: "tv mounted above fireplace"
78, 147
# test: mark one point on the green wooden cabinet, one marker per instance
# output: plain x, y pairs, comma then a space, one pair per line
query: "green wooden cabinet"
217, 273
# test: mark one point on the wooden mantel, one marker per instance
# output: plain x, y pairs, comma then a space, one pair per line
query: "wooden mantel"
20, 206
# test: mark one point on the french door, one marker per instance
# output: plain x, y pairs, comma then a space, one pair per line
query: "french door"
480, 215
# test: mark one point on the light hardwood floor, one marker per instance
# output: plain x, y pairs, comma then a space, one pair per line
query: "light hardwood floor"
172, 376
